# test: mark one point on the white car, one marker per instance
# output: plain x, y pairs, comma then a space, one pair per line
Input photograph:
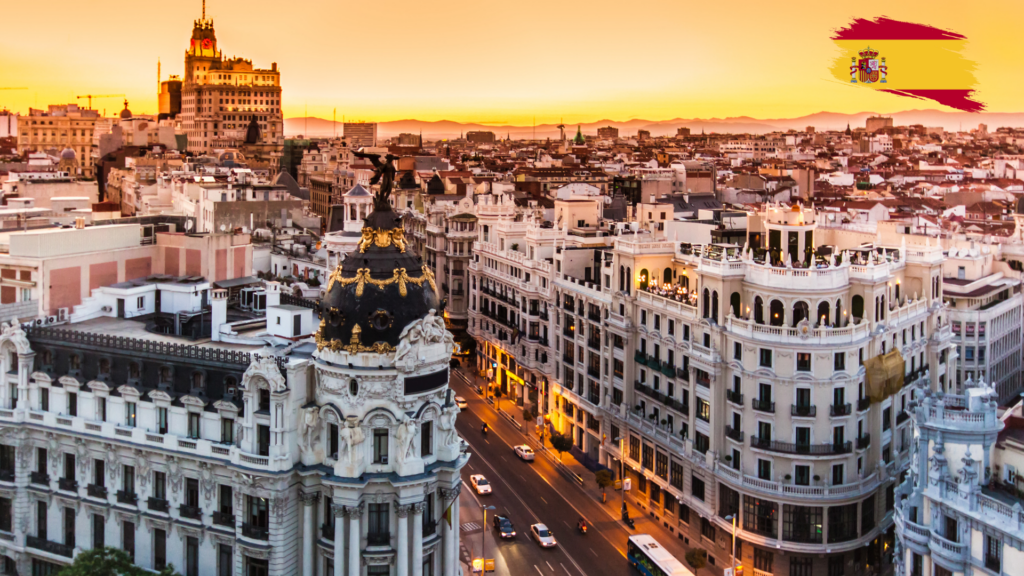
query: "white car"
480, 484
524, 452
543, 536
461, 402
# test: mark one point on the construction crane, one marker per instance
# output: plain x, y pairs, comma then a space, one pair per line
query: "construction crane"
91, 96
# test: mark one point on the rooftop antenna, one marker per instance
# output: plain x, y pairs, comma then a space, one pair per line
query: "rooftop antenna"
204, 9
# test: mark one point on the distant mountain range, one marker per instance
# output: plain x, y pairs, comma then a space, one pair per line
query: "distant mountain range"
319, 127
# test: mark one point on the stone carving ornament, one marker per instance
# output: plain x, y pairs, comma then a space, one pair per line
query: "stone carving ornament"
206, 479
427, 330
407, 432
351, 438
311, 428
446, 423
113, 462
14, 334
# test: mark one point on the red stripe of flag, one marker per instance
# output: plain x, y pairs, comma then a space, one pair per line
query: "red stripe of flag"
883, 28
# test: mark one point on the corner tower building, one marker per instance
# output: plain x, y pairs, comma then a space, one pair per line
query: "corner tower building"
386, 437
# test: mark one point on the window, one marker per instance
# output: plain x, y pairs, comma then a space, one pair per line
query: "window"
802, 475
159, 549
763, 559
44, 399
697, 487
867, 514
728, 501
760, 516
842, 523
707, 529
676, 475
332, 440
140, 302
159, 485
647, 460
379, 531
993, 554
837, 566
225, 499
634, 448
72, 404
227, 431
803, 361
764, 469
800, 566
129, 414
380, 446
101, 409
737, 351
161, 420
703, 409
766, 357
661, 465
701, 443
802, 524
839, 361
5, 514
193, 425
426, 439
99, 528
191, 556
128, 539
128, 480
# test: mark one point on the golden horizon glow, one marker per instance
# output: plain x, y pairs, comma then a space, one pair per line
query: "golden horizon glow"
496, 63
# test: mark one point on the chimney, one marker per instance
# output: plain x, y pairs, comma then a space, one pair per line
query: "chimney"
219, 313
273, 294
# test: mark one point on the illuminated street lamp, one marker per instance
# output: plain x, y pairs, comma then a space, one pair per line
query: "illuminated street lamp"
732, 563
483, 541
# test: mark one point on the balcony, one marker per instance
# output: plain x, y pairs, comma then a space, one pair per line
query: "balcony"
762, 405
67, 484
124, 497
378, 539
660, 397
841, 409
640, 357
157, 505
50, 547
736, 435
255, 532
96, 491
40, 478
804, 410
734, 397
224, 519
429, 528
668, 370
863, 404
7, 475
791, 448
191, 512
327, 531
863, 441
902, 417
951, 551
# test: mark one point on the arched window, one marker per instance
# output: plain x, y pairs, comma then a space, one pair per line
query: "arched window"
353, 387
897, 293
622, 278
629, 280
758, 310
685, 282
823, 313
734, 303
800, 312
776, 313
839, 313
645, 277
714, 305
858, 307
707, 302
666, 277
197, 380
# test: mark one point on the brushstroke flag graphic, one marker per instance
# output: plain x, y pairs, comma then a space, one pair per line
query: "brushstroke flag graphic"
907, 59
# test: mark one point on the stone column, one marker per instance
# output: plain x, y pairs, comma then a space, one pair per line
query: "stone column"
447, 534
25, 363
309, 501
354, 537
417, 539
402, 552
339, 541
455, 530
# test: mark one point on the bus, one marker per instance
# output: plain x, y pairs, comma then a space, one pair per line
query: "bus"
651, 559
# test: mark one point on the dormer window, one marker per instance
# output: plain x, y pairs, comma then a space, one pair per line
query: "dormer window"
133, 371
104, 367
74, 362
230, 385
197, 380
46, 358
165, 374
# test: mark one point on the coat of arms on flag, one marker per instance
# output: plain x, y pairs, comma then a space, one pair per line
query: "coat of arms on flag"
868, 69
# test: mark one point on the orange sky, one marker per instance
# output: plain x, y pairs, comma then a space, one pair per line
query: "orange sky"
501, 62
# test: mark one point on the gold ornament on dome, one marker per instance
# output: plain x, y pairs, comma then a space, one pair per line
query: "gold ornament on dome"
399, 276
354, 346
382, 238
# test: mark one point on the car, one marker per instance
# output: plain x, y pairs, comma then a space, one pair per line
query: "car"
461, 403
543, 536
504, 527
524, 452
480, 484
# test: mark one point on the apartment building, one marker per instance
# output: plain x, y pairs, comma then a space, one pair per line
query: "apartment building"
60, 128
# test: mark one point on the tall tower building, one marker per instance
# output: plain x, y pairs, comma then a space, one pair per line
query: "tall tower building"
220, 97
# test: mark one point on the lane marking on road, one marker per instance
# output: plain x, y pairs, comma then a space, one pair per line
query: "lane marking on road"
566, 569
543, 500
538, 570
594, 553
549, 565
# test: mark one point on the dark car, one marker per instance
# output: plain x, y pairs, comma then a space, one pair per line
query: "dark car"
504, 527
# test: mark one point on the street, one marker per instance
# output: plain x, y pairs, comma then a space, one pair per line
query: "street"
532, 492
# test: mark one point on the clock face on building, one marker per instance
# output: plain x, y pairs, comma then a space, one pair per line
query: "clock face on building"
207, 43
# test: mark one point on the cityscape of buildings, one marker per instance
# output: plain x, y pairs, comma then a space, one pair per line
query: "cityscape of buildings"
243, 353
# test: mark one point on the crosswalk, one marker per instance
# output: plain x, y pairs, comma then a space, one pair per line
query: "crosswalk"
470, 526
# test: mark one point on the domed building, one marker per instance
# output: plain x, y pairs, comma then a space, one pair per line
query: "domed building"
381, 432
126, 114
68, 161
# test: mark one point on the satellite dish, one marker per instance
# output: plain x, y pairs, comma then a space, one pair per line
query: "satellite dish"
188, 225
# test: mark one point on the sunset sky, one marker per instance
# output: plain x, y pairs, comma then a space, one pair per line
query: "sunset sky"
498, 62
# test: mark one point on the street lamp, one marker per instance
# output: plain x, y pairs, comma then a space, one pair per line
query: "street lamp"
732, 563
483, 542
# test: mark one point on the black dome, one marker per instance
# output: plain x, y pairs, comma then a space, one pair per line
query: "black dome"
382, 286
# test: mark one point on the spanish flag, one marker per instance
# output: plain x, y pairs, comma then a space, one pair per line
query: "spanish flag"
908, 59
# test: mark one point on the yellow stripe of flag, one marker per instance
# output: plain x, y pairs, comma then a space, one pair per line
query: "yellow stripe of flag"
912, 64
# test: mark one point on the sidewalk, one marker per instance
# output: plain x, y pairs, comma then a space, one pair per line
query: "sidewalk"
471, 518
673, 538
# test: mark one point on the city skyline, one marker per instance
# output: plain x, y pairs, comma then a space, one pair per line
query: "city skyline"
571, 66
